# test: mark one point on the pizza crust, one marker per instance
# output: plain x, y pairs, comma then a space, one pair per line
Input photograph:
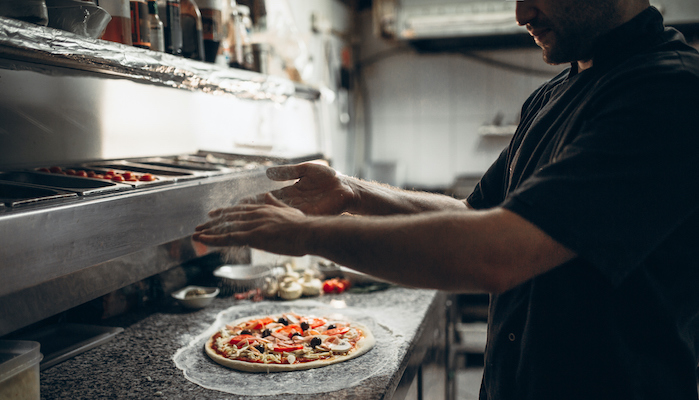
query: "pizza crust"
363, 345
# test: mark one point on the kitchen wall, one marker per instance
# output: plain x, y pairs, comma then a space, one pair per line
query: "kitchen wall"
425, 111
324, 27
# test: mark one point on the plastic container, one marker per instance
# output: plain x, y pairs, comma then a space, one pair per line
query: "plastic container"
19, 370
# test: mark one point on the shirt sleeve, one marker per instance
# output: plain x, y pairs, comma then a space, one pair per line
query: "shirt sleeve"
489, 192
627, 179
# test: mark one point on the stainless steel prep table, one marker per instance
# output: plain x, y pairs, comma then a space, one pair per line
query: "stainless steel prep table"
138, 363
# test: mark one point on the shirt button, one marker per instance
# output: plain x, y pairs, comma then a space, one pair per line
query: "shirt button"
511, 336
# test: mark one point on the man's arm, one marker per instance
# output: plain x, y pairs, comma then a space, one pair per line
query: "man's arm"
457, 250
374, 198
320, 190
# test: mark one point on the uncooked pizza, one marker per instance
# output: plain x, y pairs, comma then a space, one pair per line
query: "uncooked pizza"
287, 342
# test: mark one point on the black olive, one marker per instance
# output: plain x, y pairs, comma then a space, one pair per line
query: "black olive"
260, 348
316, 342
295, 334
266, 333
283, 321
246, 332
331, 326
304, 326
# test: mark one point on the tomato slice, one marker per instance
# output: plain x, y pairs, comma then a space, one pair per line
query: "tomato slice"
329, 286
81, 173
241, 340
118, 178
283, 348
336, 331
55, 170
44, 170
314, 322
259, 323
147, 177
289, 330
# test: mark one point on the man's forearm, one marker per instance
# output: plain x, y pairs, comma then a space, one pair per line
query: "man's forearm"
458, 251
372, 198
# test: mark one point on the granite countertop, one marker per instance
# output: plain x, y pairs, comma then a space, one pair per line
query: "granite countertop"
160, 353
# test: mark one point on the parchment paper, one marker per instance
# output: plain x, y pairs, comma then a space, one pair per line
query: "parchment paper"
381, 360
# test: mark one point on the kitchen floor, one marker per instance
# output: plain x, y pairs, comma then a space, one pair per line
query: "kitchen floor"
468, 383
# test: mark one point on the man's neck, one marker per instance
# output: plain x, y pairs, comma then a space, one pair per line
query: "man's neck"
583, 65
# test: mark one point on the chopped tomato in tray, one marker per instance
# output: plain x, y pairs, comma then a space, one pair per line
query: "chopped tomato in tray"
111, 175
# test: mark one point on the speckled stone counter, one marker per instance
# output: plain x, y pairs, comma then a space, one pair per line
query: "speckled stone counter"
160, 354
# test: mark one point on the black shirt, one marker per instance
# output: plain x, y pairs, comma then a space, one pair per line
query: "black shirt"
605, 161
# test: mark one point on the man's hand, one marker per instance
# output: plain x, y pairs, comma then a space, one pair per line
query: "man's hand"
319, 190
272, 227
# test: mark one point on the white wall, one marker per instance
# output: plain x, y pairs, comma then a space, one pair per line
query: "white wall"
324, 51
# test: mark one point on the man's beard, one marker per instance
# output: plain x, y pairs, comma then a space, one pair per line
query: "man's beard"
576, 31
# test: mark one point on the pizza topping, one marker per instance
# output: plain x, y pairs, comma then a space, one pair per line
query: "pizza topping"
289, 330
242, 340
336, 331
293, 339
342, 347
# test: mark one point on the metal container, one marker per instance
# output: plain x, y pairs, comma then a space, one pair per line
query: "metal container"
81, 186
17, 194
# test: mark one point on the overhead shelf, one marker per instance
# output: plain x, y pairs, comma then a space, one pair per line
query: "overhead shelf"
43, 47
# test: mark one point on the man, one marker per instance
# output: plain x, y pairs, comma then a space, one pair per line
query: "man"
583, 230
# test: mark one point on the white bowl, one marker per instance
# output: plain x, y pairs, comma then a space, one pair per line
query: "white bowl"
196, 301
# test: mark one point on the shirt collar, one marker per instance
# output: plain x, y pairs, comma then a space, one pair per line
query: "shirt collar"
625, 40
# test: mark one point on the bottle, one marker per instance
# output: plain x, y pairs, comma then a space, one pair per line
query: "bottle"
258, 13
239, 38
192, 40
169, 11
140, 27
157, 38
212, 27
119, 28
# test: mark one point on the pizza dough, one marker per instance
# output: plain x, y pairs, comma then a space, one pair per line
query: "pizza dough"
275, 343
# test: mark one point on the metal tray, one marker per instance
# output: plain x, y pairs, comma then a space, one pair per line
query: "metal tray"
171, 173
79, 185
180, 164
64, 341
17, 194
